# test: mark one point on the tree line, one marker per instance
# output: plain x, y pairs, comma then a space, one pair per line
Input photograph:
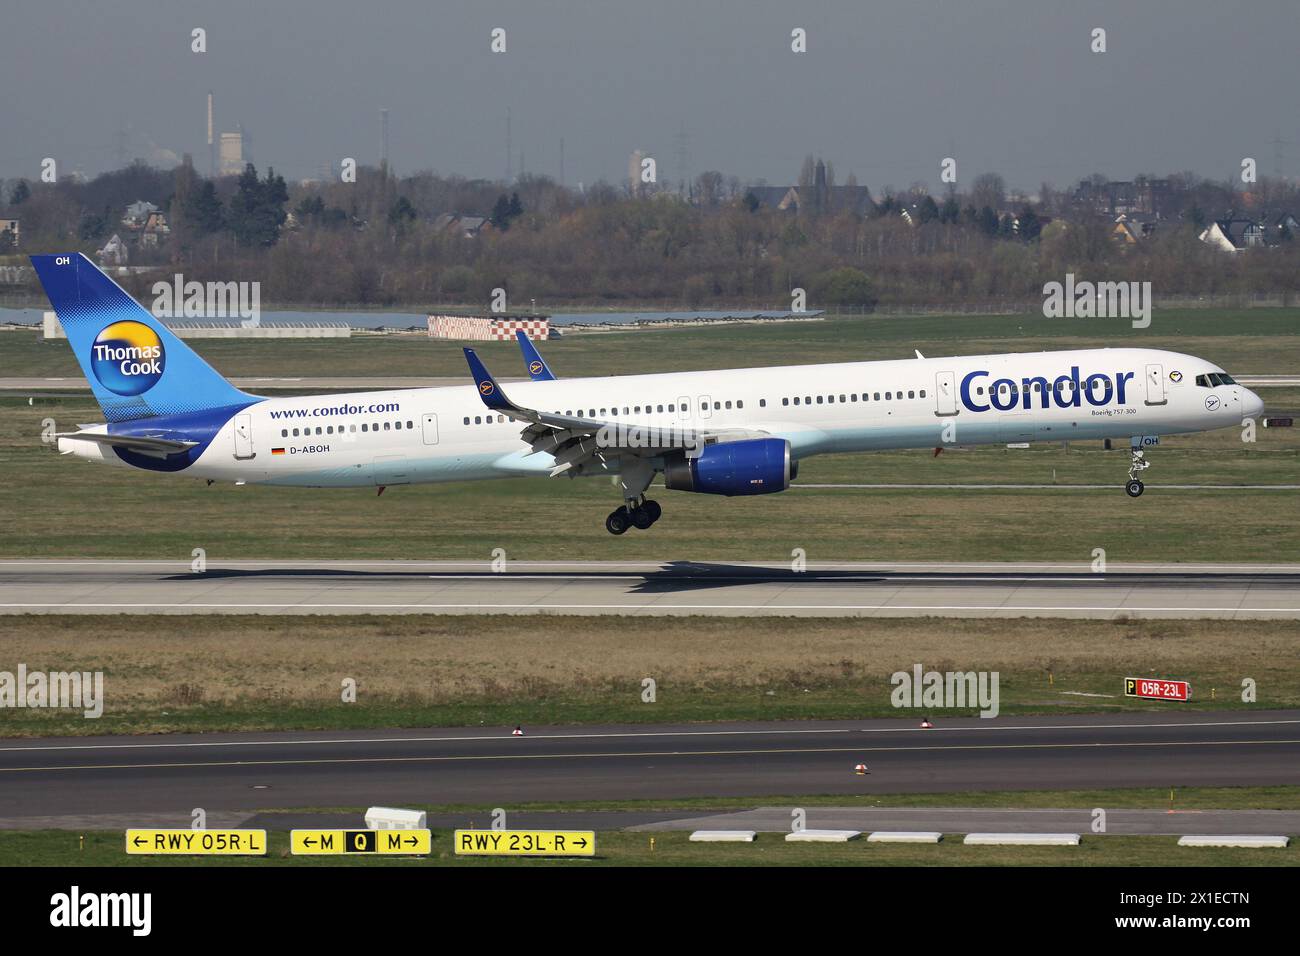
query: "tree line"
385, 240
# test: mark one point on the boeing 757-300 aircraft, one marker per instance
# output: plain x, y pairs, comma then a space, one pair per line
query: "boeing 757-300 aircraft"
727, 432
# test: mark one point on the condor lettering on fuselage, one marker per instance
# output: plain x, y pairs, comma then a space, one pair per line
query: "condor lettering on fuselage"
1067, 391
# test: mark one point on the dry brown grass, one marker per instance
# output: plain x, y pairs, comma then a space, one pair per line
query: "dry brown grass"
211, 660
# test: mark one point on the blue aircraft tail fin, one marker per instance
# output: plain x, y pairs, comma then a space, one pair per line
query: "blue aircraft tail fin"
534, 364
136, 366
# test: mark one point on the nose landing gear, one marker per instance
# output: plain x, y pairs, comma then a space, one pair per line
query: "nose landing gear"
1137, 465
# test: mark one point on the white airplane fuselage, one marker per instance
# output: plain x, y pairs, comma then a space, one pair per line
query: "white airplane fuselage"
445, 434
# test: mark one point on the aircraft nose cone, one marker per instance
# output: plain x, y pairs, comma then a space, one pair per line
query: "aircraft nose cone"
1252, 405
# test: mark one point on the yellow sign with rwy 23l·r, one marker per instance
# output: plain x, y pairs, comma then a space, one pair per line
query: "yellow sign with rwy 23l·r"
331, 842
197, 842
525, 843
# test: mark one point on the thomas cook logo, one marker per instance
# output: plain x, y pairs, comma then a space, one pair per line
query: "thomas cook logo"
1175, 376
128, 358
535, 367
485, 388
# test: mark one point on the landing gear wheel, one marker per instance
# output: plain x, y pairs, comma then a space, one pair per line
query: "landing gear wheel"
641, 518
1134, 488
653, 508
617, 522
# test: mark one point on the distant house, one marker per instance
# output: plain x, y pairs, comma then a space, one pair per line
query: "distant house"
114, 252
155, 228
467, 227
471, 226
816, 198
775, 197
1141, 196
1130, 230
1233, 235
10, 226
1283, 227
137, 214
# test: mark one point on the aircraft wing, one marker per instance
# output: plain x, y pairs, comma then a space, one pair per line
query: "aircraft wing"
578, 442
144, 444
535, 365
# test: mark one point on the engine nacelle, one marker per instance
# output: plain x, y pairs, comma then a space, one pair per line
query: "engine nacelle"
757, 466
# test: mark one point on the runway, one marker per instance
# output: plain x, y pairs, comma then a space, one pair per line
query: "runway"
1218, 591
125, 778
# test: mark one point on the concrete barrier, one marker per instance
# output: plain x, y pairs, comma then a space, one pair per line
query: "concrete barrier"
723, 836
1243, 840
1022, 839
823, 836
905, 836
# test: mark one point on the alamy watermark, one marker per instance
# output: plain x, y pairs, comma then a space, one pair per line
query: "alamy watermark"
932, 690
650, 436
179, 299
1099, 300
53, 690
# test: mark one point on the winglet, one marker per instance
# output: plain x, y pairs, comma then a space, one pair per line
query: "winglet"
488, 389
537, 368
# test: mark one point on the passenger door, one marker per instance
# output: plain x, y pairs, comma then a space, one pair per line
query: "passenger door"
1156, 385
430, 429
706, 407
945, 393
244, 437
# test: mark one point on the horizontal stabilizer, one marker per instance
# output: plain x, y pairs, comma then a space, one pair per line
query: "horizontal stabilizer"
158, 447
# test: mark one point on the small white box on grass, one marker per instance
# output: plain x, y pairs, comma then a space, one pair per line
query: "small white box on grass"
1022, 839
905, 836
723, 836
823, 836
392, 818
1242, 840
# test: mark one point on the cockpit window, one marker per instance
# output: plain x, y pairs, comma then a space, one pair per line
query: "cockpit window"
1214, 379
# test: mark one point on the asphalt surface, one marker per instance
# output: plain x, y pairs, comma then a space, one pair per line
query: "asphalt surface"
1117, 822
1227, 592
114, 779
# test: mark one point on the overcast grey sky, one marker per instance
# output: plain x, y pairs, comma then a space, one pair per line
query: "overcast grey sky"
886, 90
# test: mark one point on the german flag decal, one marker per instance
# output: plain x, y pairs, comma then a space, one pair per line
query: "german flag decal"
277, 451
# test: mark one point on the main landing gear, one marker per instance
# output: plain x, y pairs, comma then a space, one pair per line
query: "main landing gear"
640, 514
1137, 465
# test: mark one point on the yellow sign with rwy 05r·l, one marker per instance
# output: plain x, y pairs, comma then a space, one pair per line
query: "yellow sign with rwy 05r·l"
525, 843
196, 842
333, 842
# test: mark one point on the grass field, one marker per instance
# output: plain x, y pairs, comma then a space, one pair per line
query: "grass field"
1251, 341
169, 674
60, 507
101, 848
